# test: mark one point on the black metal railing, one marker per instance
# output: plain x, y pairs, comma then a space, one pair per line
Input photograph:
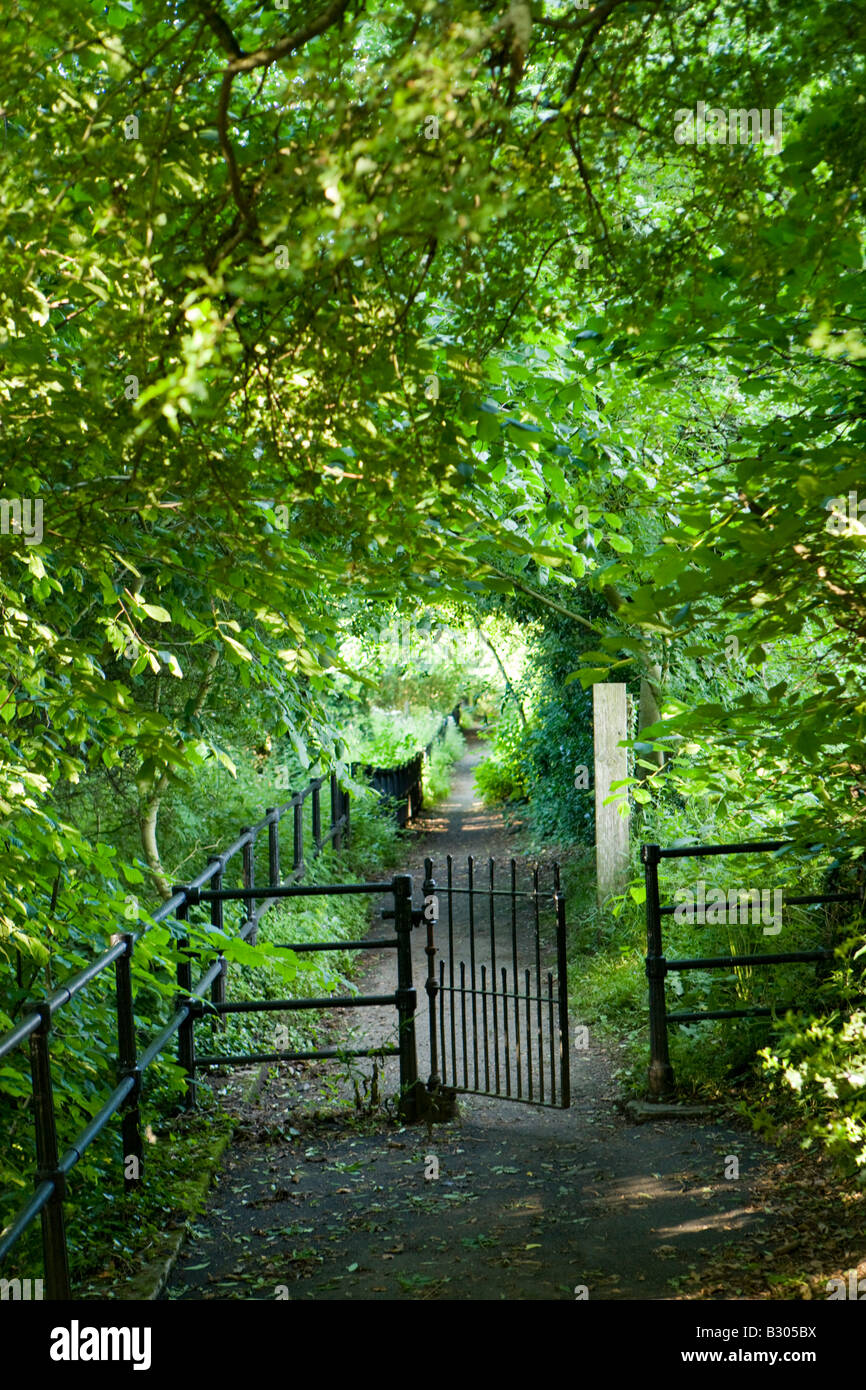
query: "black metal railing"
53, 1168
661, 1075
403, 998
403, 785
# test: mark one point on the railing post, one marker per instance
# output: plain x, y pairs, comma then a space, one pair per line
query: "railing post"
562, 975
661, 1073
273, 847
298, 833
127, 1065
336, 838
431, 916
249, 858
317, 815
419, 776
53, 1221
405, 997
217, 920
347, 812
186, 1035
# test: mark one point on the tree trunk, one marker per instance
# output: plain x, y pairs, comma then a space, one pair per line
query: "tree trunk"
509, 688
149, 811
649, 713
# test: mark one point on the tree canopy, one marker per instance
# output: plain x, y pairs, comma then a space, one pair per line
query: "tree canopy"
553, 310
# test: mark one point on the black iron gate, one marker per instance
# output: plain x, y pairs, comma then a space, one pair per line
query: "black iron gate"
498, 997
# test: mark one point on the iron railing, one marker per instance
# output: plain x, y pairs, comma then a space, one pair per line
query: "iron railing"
403, 785
53, 1169
661, 1074
403, 998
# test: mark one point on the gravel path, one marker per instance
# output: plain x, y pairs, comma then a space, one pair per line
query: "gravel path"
508, 1201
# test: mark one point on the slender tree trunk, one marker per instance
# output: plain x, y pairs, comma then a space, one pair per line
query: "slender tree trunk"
651, 685
149, 810
508, 686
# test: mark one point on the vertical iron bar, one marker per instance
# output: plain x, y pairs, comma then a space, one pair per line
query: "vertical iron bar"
249, 862
484, 1020
347, 816
505, 1025
450, 863
562, 995
273, 847
444, 1054
53, 1222
317, 816
528, 1034
432, 986
336, 838
217, 920
130, 1119
516, 978
185, 1034
471, 864
493, 974
539, 1017
550, 1031
406, 997
661, 1073
297, 833
463, 1018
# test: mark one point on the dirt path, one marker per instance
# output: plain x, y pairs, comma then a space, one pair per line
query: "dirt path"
506, 1202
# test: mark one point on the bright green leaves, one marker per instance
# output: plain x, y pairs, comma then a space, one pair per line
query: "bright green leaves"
621, 544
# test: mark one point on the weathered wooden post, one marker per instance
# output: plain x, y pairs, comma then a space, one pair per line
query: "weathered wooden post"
610, 729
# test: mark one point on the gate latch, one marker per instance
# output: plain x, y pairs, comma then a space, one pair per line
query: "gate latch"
420, 915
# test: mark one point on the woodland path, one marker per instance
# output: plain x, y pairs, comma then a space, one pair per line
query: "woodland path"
529, 1204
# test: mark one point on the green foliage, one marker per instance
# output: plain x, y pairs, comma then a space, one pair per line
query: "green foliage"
394, 314
823, 1064
502, 776
387, 738
539, 760
437, 768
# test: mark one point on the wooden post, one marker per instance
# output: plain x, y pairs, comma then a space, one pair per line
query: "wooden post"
611, 765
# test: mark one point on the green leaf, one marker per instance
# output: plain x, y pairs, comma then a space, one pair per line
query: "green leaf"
153, 610
619, 543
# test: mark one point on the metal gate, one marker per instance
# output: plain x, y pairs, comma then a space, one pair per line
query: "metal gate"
498, 996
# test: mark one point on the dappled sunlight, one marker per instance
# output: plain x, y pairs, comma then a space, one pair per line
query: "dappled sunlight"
489, 821
735, 1218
